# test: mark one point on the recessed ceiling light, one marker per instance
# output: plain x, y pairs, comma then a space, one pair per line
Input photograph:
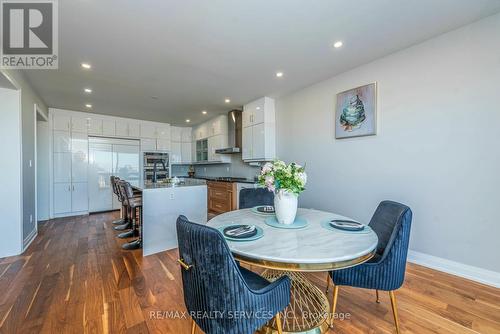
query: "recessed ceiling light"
204, 112
88, 90
338, 44
258, 108
86, 66
88, 105
279, 74
188, 120
227, 100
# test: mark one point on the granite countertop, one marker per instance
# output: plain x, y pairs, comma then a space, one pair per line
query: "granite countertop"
184, 182
221, 179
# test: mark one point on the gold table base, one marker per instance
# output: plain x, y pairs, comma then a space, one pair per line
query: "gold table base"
308, 309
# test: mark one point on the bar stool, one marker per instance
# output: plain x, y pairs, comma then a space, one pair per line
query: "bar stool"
135, 205
123, 213
132, 231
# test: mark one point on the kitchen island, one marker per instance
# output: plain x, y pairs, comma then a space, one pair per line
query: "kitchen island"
162, 203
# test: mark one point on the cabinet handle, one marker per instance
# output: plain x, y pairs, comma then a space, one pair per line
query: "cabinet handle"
73, 188
69, 188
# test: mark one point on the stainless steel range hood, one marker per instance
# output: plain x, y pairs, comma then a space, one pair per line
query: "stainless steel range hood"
234, 133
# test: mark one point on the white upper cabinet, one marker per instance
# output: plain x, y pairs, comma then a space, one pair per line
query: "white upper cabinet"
121, 129
186, 152
201, 131
148, 144
163, 131
127, 128
134, 129
108, 127
175, 134
95, 126
218, 125
79, 124
186, 135
61, 122
259, 111
163, 144
176, 152
214, 143
246, 143
259, 130
148, 130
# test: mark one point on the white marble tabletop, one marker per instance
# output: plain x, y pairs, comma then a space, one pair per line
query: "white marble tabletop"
313, 244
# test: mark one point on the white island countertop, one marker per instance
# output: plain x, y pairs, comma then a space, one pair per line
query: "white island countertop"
160, 185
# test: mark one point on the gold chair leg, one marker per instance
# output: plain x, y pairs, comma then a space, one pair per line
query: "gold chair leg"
378, 300
394, 310
279, 326
334, 304
327, 282
193, 326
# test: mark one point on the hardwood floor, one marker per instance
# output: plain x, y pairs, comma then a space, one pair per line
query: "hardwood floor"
75, 278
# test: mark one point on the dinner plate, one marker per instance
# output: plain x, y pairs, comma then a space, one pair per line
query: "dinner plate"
326, 224
258, 235
255, 210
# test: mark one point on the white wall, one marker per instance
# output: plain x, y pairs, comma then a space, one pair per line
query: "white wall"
28, 99
10, 173
437, 148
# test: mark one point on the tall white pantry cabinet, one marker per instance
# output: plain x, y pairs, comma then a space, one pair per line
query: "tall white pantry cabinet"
69, 164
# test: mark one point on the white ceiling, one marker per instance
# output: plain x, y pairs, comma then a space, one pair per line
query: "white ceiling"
193, 54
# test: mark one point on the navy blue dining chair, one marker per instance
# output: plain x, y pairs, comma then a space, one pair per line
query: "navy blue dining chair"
252, 197
221, 291
386, 270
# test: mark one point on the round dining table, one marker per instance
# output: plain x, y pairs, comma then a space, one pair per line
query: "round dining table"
317, 247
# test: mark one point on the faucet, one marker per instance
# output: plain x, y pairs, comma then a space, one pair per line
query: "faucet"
155, 170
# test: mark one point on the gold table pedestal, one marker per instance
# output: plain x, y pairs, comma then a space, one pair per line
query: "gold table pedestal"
308, 309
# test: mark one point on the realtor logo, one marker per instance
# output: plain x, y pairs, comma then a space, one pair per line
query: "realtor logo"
29, 35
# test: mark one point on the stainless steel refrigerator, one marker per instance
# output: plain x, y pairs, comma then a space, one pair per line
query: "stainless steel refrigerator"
109, 156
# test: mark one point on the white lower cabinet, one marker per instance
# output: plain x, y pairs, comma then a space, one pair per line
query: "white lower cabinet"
62, 198
79, 197
70, 197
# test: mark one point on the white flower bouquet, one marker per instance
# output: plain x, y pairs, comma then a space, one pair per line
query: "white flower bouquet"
278, 176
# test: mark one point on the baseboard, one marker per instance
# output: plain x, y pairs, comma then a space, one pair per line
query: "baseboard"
29, 239
480, 275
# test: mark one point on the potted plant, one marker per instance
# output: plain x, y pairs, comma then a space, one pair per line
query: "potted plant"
287, 182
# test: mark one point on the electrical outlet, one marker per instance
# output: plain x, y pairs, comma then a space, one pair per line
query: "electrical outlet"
227, 169
205, 169
31, 218
31, 164
172, 196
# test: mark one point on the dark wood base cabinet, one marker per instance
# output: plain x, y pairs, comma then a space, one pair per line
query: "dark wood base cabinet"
221, 196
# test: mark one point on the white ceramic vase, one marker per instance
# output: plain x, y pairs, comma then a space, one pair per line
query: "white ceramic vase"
285, 206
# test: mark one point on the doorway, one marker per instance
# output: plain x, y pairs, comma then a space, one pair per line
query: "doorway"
42, 189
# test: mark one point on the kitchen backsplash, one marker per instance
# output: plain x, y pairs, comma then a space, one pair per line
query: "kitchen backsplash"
237, 168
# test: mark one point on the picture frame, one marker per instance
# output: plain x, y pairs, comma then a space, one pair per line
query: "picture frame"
356, 112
